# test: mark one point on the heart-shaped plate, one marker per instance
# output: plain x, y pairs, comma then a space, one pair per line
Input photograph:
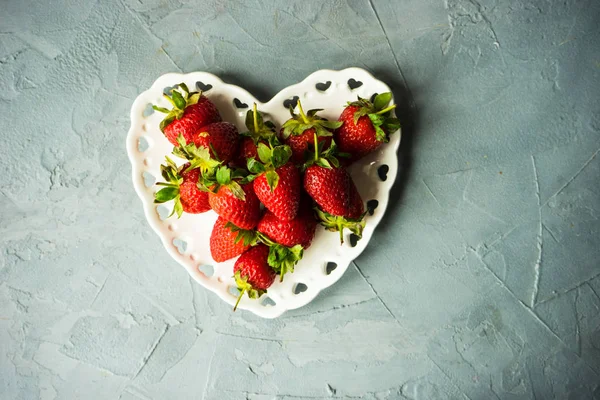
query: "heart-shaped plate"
187, 239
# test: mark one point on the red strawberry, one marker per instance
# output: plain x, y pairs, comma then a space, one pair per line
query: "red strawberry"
298, 132
221, 138
259, 131
299, 231
234, 202
366, 125
181, 187
278, 184
252, 273
248, 150
302, 144
228, 241
332, 188
356, 206
190, 112
329, 187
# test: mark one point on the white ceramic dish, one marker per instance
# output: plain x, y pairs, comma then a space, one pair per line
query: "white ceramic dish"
187, 239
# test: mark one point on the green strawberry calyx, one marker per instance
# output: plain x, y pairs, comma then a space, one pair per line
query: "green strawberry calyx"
199, 157
245, 287
336, 223
172, 176
223, 176
281, 258
248, 237
379, 113
271, 157
301, 122
179, 101
258, 128
324, 158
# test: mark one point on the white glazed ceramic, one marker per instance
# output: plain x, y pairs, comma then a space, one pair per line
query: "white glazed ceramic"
187, 239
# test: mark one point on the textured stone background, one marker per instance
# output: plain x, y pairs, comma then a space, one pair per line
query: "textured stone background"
483, 282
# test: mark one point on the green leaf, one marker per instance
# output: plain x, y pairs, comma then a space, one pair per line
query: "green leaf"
272, 179
313, 112
322, 162
283, 259
322, 132
264, 153
377, 120
165, 122
382, 100
380, 135
249, 122
160, 109
280, 155
359, 114
184, 87
331, 124
193, 99
223, 175
178, 100
270, 125
287, 131
166, 194
178, 207
237, 191
391, 125
254, 166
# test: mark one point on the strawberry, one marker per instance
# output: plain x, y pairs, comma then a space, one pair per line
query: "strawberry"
228, 241
300, 230
236, 203
259, 131
221, 138
252, 273
334, 191
286, 239
278, 183
366, 125
181, 187
190, 112
298, 132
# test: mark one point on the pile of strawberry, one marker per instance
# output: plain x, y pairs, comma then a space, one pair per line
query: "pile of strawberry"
299, 175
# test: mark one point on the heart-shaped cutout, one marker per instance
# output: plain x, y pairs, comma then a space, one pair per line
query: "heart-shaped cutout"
168, 89
196, 229
181, 245
382, 172
372, 205
239, 104
323, 86
353, 84
330, 267
203, 87
300, 288
293, 102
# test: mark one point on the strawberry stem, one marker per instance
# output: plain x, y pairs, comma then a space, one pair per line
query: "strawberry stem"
301, 111
316, 139
239, 298
255, 112
386, 109
341, 229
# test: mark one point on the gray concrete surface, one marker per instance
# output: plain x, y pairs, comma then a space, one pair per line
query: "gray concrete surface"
482, 282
